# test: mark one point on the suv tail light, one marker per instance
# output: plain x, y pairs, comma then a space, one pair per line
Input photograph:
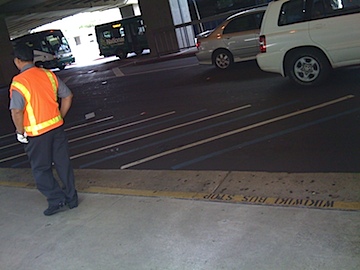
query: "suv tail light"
262, 41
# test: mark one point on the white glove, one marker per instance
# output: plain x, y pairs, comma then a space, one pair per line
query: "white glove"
22, 137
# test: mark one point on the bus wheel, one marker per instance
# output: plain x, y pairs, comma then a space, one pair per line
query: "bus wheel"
120, 54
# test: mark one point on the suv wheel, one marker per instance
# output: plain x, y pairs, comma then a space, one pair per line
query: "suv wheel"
223, 59
307, 67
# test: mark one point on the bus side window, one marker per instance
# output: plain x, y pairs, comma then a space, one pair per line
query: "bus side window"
141, 28
37, 45
107, 34
44, 48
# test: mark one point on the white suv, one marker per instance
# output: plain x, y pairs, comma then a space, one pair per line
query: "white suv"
305, 39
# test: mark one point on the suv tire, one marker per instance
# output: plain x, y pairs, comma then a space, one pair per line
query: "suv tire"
307, 67
223, 59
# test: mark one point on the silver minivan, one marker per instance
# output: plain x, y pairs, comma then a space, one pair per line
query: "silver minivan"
234, 40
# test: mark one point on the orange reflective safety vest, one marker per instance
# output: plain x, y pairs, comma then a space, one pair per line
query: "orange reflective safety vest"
39, 88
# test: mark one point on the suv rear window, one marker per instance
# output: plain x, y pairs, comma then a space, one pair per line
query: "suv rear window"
295, 11
328, 8
292, 12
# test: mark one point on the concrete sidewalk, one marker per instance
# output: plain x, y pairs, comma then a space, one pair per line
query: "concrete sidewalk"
131, 232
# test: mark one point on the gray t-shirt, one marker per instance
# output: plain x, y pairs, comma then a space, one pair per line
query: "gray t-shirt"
17, 101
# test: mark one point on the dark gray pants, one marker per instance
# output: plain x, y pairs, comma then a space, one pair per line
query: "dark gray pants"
43, 151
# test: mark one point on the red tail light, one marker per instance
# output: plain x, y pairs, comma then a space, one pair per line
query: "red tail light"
198, 44
262, 41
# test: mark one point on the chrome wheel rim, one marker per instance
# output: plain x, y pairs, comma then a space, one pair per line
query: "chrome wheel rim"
222, 61
306, 69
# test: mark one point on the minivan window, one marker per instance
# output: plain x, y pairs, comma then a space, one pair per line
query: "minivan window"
258, 18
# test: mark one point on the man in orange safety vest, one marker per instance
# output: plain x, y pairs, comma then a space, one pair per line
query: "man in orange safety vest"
38, 119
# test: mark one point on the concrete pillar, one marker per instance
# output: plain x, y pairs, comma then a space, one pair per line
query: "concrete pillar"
7, 67
160, 31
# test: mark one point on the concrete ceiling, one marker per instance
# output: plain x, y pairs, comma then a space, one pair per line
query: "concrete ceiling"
23, 15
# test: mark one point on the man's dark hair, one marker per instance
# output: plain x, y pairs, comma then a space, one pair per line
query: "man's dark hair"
23, 52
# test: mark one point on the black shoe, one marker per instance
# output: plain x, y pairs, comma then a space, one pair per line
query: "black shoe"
53, 209
73, 202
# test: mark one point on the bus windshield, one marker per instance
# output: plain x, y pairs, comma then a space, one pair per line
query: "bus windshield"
58, 43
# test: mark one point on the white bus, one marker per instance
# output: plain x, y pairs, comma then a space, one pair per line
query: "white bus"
51, 49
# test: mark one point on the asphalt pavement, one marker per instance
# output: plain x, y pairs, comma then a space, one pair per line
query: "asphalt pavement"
129, 219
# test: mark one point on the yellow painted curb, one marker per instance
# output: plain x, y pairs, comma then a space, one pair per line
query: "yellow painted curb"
17, 184
306, 203
256, 200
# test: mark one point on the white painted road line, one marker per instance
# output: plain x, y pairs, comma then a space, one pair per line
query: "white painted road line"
262, 123
6, 135
90, 123
95, 134
161, 69
70, 128
122, 126
118, 72
9, 145
157, 132
67, 129
12, 157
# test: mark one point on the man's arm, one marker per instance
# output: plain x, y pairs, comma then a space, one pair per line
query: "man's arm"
18, 119
65, 105
66, 96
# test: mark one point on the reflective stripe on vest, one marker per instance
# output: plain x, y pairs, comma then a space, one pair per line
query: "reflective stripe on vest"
34, 127
53, 83
28, 108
